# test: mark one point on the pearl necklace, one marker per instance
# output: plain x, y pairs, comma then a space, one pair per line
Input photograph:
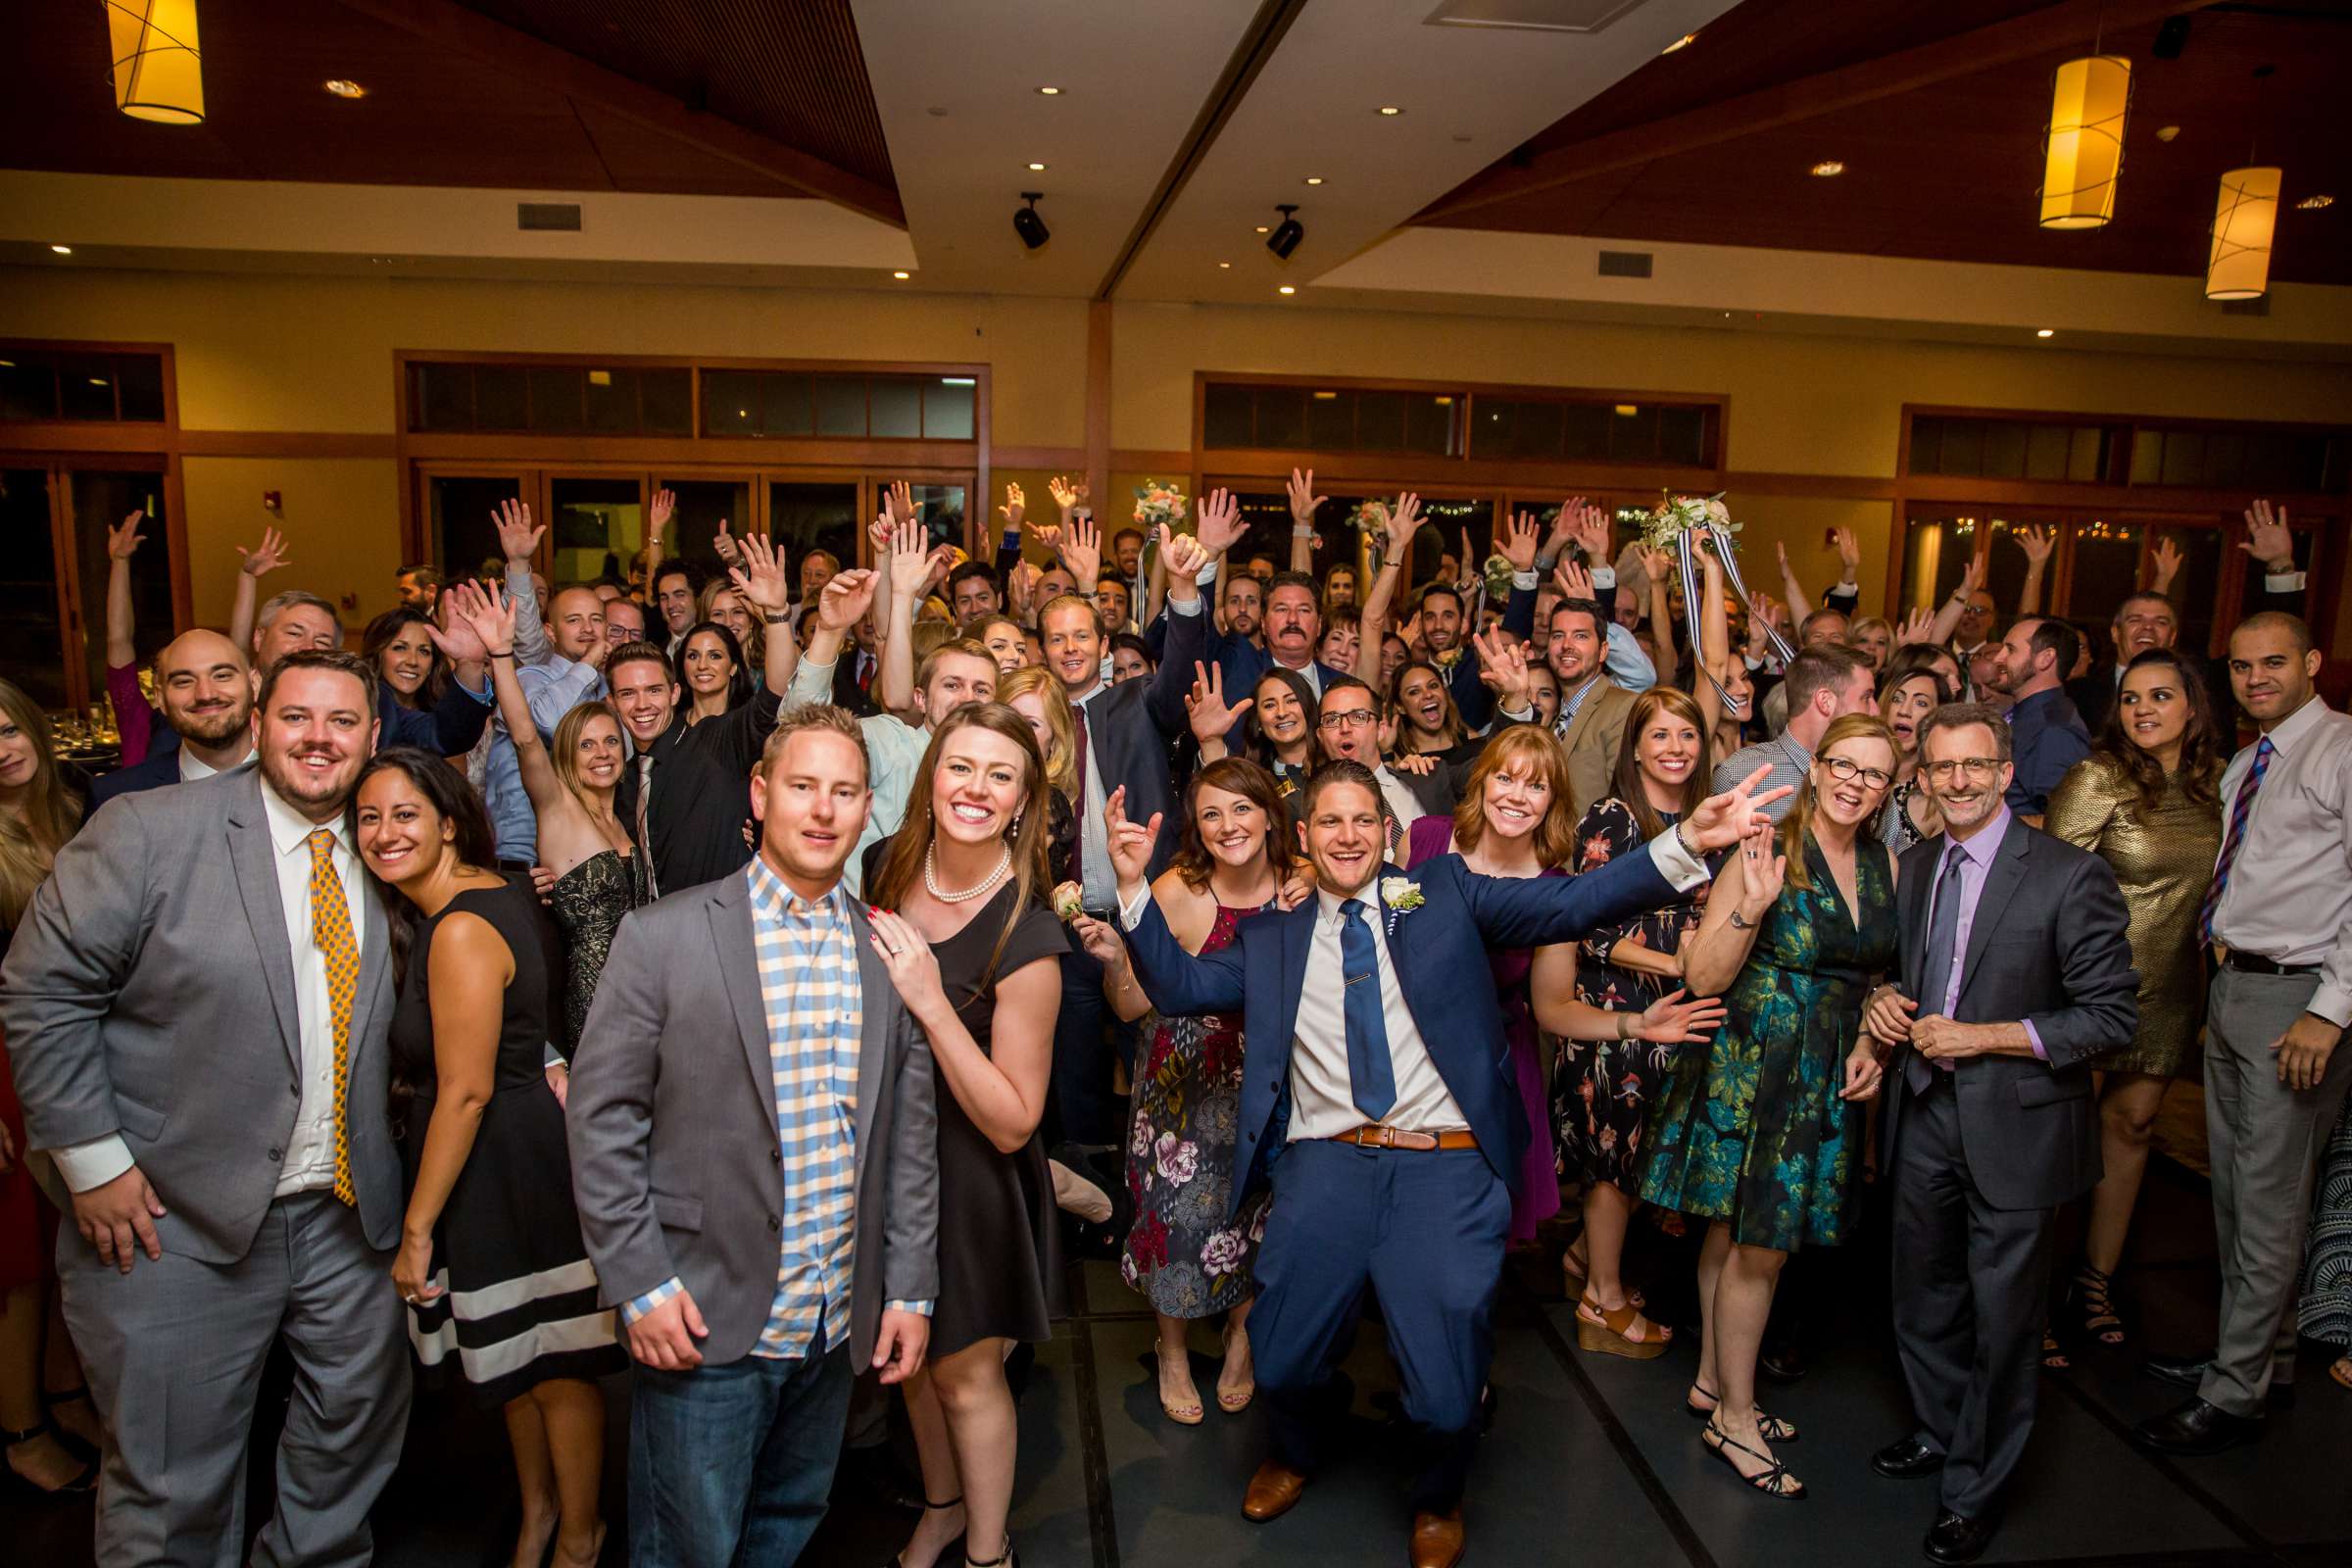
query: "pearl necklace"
931, 877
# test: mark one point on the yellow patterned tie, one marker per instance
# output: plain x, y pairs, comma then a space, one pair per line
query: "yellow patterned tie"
330, 929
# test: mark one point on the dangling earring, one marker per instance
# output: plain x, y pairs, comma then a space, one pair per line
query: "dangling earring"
1016, 824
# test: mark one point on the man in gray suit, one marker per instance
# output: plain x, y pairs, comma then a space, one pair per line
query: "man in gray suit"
197, 1006
2015, 971
754, 1151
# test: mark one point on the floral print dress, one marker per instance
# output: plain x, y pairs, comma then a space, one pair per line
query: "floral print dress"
1604, 1090
1184, 1119
1751, 1130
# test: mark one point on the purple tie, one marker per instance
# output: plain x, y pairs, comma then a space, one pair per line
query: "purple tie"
2242, 809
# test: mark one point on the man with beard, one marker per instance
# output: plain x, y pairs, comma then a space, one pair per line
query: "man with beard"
418, 587
207, 689
2015, 970
197, 1006
2047, 735
1245, 606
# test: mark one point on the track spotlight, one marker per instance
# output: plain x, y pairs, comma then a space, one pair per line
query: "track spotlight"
1026, 222
1287, 234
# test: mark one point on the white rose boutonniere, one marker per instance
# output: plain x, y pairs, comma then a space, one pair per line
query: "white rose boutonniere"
1068, 902
1401, 896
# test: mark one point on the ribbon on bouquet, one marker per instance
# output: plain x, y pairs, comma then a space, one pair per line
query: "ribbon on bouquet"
1687, 558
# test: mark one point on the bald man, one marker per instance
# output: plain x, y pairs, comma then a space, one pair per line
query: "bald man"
206, 687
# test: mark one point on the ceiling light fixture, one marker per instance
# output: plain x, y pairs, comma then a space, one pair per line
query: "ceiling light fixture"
2314, 203
1679, 44
63, 250
1287, 235
2083, 146
158, 67
1286, 289
1225, 266
901, 276
1264, 230
1389, 111
1827, 168
1314, 179
1026, 224
345, 87
2244, 215
1037, 169
2045, 332
1049, 92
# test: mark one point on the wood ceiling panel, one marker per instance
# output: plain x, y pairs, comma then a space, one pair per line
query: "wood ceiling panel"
1948, 171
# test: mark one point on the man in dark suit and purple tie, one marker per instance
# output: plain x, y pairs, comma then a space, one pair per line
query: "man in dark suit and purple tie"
1391, 1141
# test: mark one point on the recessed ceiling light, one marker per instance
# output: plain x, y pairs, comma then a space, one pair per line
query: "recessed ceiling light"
63, 250
901, 276
1314, 179
1679, 44
1263, 230
2046, 331
1037, 169
2312, 204
97, 380
1827, 168
1390, 111
1286, 289
1225, 266
1049, 92
345, 87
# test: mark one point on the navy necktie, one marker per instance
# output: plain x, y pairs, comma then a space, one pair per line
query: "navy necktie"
1371, 1082
1935, 969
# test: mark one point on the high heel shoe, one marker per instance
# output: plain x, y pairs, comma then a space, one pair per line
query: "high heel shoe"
898, 1559
1185, 1415
1774, 1429
1233, 1402
82, 1483
2092, 1290
1768, 1480
1619, 1330
1008, 1559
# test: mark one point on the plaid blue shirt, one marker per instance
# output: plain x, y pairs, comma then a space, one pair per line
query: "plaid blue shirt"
808, 960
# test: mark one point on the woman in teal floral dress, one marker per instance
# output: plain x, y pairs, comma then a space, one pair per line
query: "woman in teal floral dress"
1763, 1136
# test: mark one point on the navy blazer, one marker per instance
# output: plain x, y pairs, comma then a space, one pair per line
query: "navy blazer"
1439, 952
159, 769
1128, 727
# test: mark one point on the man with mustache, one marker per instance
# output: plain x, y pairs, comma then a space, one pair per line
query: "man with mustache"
197, 1005
207, 689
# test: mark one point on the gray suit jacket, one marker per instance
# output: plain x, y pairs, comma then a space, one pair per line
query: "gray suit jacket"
150, 992
2048, 945
674, 1158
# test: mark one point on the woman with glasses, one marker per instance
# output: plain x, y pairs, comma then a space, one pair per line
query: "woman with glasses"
1760, 1135
2147, 800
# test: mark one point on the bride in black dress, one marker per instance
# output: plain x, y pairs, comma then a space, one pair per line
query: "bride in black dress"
598, 877
499, 1287
976, 954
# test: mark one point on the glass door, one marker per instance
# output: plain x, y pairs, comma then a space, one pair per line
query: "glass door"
32, 624
704, 501
595, 528
807, 516
100, 499
460, 534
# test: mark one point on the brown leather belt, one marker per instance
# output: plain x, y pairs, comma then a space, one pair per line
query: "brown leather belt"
1373, 1135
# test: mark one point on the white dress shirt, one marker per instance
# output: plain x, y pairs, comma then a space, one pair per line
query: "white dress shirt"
2290, 893
310, 1162
193, 767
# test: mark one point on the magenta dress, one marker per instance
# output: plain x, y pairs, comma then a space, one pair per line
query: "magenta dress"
1536, 1194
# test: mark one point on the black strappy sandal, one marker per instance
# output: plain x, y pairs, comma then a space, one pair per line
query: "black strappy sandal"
1775, 1429
2101, 1325
898, 1559
1003, 1559
81, 1484
1767, 1481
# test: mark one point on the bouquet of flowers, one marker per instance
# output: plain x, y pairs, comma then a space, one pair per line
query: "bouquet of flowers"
1677, 524
1371, 517
1675, 515
1497, 572
1156, 504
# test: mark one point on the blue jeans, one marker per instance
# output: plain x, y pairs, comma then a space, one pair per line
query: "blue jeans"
731, 1464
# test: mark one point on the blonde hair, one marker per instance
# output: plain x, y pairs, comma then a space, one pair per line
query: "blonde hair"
1061, 723
30, 840
755, 647
1800, 820
564, 751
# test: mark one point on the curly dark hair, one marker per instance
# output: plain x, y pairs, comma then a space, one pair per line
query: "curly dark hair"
2204, 747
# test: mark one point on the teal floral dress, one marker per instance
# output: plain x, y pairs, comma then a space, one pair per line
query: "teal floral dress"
1755, 1134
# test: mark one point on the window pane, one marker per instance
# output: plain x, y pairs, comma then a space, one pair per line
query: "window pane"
88, 384
2225, 459
2148, 457
2194, 592
32, 639
1586, 431
141, 377
841, 404
444, 399
1682, 436
1379, 421
2183, 456
806, 517
948, 413
898, 408
1281, 417
555, 405
1926, 444
2005, 451
940, 509
2046, 447
1225, 417
667, 401
103, 497
28, 389
1331, 421
612, 402
1536, 433
1963, 449
598, 527
703, 505
1936, 550
499, 392
2106, 568
1633, 437
788, 410
731, 402
2086, 456
457, 508
1430, 426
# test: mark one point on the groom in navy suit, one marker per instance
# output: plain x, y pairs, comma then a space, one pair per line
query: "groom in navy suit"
1392, 1148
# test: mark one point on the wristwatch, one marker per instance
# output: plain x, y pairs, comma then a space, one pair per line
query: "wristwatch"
776, 620
1740, 922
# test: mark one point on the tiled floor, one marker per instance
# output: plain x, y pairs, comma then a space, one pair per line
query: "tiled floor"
1590, 1461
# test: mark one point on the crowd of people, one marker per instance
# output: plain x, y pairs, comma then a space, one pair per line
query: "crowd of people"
766, 982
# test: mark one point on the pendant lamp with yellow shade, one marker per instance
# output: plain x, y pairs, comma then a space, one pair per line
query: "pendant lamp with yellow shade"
158, 68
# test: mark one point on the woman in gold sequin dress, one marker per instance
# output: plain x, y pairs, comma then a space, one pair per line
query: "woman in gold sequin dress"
2147, 800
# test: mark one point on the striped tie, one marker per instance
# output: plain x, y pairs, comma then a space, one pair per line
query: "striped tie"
330, 929
2239, 812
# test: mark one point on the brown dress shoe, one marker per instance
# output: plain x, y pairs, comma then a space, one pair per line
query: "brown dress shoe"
1438, 1539
1272, 1492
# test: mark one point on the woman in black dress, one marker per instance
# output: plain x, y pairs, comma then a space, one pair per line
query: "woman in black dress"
491, 1264
976, 954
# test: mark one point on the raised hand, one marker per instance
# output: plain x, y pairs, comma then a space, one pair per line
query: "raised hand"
1671, 1020
1723, 821
1763, 870
490, 616
1972, 575
1468, 573
1212, 717
1130, 842
899, 501
262, 560
1588, 528
1658, 566
1849, 552
2036, 542
1918, 628
845, 600
760, 577
1404, 521
1020, 588
518, 540
1082, 551
656, 517
1502, 666
723, 543
2164, 562
1303, 497
454, 635
1519, 541
124, 538
943, 559
1183, 556
910, 560
1220, 523
878, 533
2268, 538
1409, 635
1015, 508
1574, 581
1068, 495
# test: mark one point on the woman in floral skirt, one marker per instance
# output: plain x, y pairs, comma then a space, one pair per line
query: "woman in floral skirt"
1181, 1156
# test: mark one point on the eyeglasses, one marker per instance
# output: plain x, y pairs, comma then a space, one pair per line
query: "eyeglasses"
1978, 768
1845, 770
1353, 717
